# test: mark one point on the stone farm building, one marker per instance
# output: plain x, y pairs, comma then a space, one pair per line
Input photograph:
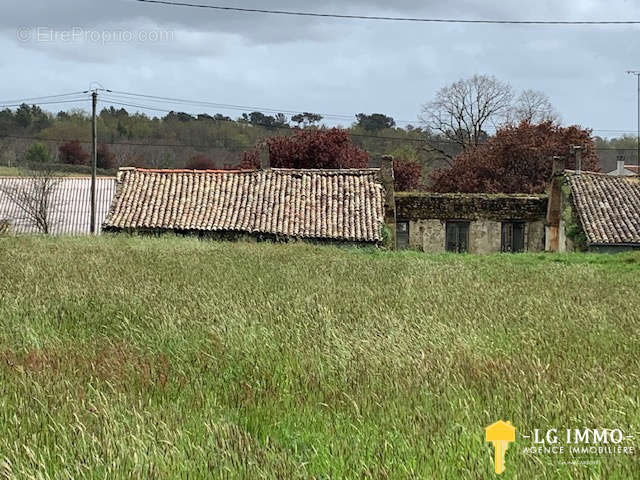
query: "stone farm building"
583, 211
330, 205
475, 223
593, 211
338, 206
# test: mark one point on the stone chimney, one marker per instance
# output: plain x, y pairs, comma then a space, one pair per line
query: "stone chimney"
577, 151
387, 180
265, 161
554, 206
620, 166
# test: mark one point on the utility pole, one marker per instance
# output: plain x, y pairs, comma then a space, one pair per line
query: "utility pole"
94, 159
637, 74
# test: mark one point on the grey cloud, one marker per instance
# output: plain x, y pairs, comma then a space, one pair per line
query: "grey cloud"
332, 66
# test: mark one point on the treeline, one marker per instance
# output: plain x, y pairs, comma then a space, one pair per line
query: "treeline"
178, 139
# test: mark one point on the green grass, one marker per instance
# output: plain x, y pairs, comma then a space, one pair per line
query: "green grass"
13, 172
174, 358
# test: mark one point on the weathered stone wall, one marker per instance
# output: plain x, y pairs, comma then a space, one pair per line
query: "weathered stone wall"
485, 236
535, 236
427, 235
427, 214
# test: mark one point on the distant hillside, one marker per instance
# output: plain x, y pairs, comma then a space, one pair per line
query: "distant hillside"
173, 140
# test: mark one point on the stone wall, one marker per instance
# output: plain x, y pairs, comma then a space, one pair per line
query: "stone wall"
485, 236
427, 214
427, 235
535, 236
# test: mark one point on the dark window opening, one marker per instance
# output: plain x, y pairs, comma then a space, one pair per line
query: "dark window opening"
402, 234
513, 237
457, 237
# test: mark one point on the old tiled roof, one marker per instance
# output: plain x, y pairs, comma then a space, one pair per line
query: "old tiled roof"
69, 205
322, 204
608, 207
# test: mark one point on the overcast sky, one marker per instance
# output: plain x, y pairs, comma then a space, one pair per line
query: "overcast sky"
324, 65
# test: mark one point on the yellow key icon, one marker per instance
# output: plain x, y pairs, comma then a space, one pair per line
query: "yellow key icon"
501, 434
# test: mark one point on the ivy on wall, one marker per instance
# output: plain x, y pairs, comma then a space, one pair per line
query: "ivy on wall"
572, 225
445, 206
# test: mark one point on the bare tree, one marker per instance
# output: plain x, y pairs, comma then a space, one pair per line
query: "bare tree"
462, 111
34, 197
534, 107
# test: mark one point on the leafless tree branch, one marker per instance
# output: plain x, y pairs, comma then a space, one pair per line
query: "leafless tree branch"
461, 111
534, 107
35, 198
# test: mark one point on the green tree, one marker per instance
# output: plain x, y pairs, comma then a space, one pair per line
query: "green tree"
374, 122
7, 121
306, 119
23, 116
37, 154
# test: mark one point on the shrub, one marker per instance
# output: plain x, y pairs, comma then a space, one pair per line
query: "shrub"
407, 175
37, 154
73, 153
201, 162
106, 159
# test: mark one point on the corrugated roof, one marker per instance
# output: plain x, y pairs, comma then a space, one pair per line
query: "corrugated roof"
70, 207
323, 204
608, 206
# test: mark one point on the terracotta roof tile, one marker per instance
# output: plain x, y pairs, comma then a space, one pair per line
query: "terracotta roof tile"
608, 206
323, 204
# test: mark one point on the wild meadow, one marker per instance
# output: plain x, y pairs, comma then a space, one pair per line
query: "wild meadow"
129, 357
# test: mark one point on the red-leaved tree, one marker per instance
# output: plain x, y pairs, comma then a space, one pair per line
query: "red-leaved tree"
105, 158
201, 162
311, 149
518, 159
250, 160
73, 153
407, 175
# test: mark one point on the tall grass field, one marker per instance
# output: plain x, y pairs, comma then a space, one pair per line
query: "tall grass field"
128, 357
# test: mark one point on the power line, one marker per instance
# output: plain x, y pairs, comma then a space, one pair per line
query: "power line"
124, 98
47, 97
358, 135
115, 98
158, 99
75, 100
388, 18
119, 96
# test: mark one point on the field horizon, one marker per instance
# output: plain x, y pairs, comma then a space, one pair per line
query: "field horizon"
138, 357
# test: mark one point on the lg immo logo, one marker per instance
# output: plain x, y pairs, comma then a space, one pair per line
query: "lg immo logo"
501, 434
572, 445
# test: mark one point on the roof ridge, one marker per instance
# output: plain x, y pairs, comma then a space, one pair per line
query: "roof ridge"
576, 173
276, 170
4, 177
